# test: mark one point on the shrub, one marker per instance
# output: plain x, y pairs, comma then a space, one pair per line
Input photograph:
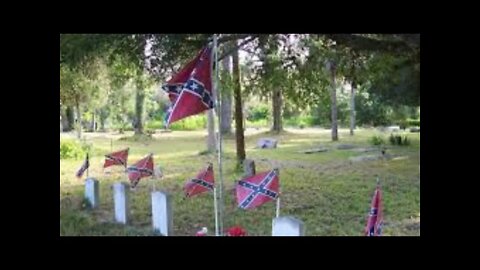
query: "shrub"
377, 140
413, 122
72, 149
399, 140
300, 121
156, 124
255, 113
191, 123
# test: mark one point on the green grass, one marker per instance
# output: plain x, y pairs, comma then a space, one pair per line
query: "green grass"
331, 195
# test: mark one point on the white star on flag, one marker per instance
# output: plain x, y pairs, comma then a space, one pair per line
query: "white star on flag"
194, 86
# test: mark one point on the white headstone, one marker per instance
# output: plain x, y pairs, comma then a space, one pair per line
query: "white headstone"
267, 143
393, 128
162, 213
120, 200
288, 226
92, 192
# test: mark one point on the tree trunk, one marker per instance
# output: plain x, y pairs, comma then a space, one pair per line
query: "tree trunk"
70, 118
211, 131
64, 121
103, 116
78, 124
139, 102
92, 124
238, 110
226, 95
352, 109
333, 93
277, 110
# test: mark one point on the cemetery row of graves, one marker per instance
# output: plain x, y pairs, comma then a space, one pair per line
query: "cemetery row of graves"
325, 188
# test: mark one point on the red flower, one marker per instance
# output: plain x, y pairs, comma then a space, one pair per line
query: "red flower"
236, 231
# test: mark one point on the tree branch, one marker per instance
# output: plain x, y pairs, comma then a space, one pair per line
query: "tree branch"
361, 43
232, 37
231, 50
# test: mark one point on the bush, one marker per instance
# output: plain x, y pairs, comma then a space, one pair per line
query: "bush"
377, 140
156, 124
256, 124
72, 149
413, 122
255, 113
191, 123
399, 140
300, 121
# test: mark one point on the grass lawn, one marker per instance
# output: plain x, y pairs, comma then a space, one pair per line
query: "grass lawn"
325, 190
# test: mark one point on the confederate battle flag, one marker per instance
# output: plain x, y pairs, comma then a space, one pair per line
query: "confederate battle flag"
84, 167
258, 189
143, 168
190, 90
203, 182
116, 158
375, 217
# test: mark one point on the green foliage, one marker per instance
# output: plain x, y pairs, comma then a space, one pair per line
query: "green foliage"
257, 124
258, 112
413, 122
190, 123
301, 121
377, 140
399, 140
395, 80
155, 124
71, 149
370, 111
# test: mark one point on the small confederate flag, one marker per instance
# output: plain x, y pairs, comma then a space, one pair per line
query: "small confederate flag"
203, 182
191, 89
375, 217
258, 189
143, 168
116, 158
82, 169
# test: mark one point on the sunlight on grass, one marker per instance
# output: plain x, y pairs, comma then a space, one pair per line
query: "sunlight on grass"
326, 191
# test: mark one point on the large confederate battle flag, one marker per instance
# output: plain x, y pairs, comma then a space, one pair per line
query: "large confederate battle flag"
190, 90
143, 168
203, 182
375, 217
258, 189
116, 158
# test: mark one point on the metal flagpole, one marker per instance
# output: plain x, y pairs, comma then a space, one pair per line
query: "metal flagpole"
278, 199
278, 204
215, 207
220, 139
87, 163
218, 226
